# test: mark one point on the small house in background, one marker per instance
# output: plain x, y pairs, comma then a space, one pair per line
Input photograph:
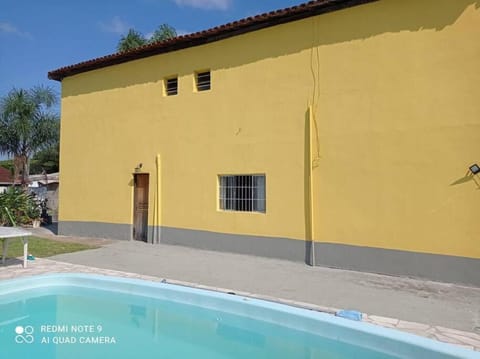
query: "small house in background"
45, 186
6, 179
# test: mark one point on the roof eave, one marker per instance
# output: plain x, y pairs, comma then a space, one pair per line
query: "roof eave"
235, 28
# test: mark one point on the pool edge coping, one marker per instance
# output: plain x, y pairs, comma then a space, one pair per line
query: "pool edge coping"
373, 328
458, 337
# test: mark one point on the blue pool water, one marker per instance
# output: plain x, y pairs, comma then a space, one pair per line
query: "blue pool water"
81, 316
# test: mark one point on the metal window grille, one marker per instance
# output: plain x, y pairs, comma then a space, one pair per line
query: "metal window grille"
245, 193
171, 86
203, 81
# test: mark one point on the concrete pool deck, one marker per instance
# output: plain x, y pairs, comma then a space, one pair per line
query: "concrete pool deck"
441, 311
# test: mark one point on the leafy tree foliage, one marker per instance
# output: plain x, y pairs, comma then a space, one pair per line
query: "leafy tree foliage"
134, 38
27, 125
18, 207
164, 32
46, 160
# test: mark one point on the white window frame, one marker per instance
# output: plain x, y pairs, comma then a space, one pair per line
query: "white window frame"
242, 193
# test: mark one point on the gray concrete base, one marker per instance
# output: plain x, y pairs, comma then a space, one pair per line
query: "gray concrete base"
95, 230
281, 248
436, 267
366, 259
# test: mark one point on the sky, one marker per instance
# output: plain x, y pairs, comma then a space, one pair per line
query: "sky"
37, 36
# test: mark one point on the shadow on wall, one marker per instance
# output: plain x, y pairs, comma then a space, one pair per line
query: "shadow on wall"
467, 178
357, 23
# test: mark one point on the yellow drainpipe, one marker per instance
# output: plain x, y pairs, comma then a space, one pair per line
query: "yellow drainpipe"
158, 216
311, 129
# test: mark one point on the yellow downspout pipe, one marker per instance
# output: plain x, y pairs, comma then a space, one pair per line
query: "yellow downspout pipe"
158, 214
311, 129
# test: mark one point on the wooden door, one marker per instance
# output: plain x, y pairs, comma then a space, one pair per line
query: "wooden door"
140, 207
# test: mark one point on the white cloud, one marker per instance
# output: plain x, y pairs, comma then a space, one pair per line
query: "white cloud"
8, 28
205, 4
115, 25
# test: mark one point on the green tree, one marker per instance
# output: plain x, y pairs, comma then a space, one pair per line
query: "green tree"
162, 33
132, 40
28, 124
46, 160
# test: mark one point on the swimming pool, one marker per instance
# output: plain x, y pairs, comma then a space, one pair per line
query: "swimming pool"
89, 316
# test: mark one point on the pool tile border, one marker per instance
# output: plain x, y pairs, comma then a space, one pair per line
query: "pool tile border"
469, 340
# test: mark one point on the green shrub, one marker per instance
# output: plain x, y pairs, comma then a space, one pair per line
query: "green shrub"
22, 206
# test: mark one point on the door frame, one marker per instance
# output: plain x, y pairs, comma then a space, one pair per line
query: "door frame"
140, 209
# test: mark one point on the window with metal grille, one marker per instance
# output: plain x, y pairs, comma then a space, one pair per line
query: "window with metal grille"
245, 193
171, 86
203, 81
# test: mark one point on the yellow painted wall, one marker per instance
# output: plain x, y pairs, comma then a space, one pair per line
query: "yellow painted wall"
394, 87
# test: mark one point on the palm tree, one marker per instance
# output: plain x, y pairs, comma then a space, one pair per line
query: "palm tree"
164, 32
134, 38
27, 125
130, 41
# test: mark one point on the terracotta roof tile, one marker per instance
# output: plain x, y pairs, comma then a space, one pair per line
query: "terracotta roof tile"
234, 28
5, 176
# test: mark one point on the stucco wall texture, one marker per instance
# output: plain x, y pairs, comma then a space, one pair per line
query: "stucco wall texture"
364, 122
